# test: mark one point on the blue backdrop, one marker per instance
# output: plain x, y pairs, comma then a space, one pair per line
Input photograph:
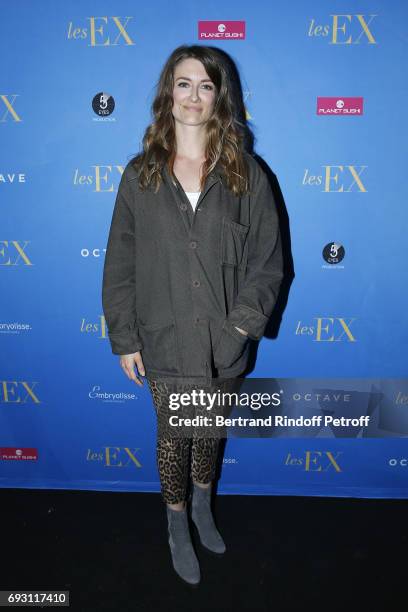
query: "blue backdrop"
324, 88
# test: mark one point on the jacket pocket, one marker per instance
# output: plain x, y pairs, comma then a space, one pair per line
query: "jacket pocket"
233, 244
229, 347
159, 346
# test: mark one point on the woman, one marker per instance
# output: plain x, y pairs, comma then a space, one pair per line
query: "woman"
192, 272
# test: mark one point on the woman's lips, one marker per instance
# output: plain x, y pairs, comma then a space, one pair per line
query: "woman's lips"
193, 108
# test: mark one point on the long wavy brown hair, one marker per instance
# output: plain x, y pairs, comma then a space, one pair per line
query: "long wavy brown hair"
225, 132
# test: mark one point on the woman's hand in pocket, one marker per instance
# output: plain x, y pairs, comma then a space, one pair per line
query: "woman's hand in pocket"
231, 344
243, 332
127, 363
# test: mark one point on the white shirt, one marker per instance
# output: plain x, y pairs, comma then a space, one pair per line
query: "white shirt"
193, 197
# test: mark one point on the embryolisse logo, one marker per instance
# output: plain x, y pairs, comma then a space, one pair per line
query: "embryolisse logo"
344, 29
103, 105
115, 456
333, 253
7, 108
230, 461
102, 31
226, 30
327, 329
14, 253
102, 178
106, 396
337, 178
14, 328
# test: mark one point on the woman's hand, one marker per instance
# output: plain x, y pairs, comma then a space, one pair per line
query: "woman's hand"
243, 332
127, 363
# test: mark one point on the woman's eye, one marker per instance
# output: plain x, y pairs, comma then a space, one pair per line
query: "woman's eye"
210, 87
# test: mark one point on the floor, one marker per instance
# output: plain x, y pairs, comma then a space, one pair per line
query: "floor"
283, 553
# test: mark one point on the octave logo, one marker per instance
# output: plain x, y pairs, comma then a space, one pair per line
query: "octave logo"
9, 178
398, 462
92, 252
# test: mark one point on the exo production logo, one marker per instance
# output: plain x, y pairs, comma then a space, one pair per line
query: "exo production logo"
333, 253
103, 104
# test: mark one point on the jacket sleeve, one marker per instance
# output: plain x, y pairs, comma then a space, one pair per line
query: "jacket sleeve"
257, 296
119, 282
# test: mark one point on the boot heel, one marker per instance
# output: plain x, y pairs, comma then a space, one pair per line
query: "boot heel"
213, 553
203, 520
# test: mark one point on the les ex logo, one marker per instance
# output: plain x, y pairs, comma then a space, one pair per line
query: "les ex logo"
315, 461
101, 30
343, 29
7, 109
100, 178
115, 456
327, 329
18, 392
12, 253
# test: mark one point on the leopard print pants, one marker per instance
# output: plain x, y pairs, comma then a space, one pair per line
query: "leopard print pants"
173, 450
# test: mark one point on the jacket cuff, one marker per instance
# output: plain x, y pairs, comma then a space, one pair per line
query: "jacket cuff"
252, 321
125, 343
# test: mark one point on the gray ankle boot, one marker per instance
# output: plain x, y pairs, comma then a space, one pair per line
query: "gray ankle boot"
183, 556
203, 519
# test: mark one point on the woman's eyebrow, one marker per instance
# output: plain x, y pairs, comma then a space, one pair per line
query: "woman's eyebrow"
187, 79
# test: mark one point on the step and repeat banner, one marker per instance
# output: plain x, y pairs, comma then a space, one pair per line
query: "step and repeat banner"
324, 85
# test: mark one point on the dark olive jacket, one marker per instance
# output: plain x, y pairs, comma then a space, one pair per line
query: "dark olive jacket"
176, 281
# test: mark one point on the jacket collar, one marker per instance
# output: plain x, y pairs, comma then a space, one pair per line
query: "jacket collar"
178, 193
214, 176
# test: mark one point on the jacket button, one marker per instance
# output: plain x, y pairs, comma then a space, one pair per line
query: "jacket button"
193, 244
196, 283
183, 206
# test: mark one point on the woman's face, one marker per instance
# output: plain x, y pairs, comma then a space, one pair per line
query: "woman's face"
193, 93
